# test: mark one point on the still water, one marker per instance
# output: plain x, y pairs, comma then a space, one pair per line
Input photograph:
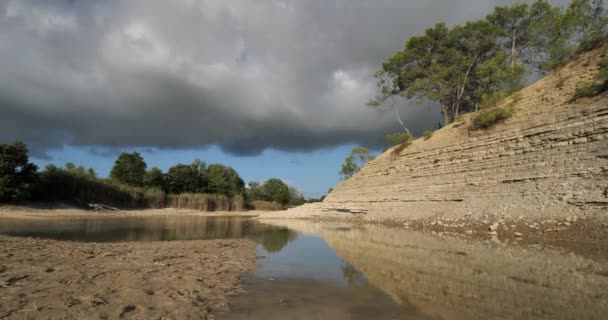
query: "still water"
311, 270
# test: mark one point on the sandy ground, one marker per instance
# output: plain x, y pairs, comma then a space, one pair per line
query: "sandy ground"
47, 279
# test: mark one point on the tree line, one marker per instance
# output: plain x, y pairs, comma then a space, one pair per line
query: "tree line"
475, 66
468, 67
132, 185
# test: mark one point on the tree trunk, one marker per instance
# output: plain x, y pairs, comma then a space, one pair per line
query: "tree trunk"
407, 131
513, 51
446, 115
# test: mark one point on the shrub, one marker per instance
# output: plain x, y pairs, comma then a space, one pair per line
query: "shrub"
585, 89
57, 184
205, 202
428, 134
593, 88
459, 119
399, 138
489, 117
492, 100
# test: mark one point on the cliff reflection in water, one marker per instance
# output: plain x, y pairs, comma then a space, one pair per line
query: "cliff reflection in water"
458, 279
162, 228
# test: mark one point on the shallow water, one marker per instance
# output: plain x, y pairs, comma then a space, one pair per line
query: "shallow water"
313, 270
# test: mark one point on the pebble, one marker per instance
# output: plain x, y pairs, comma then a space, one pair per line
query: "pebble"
518, 234
493, 227
469, 232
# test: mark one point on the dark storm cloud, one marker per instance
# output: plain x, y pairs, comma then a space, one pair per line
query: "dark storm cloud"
245, 75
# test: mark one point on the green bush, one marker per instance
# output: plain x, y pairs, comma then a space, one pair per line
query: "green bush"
492, 100
585, 89
489, 117
593, 88
399, 138
428, 134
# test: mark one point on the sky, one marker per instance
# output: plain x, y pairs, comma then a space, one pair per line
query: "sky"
273, 88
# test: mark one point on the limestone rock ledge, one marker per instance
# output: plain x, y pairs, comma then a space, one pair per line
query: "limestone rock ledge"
549, 159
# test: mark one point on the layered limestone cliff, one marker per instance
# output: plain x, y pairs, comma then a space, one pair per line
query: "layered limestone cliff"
549, 159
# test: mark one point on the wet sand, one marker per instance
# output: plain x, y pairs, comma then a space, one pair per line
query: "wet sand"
47, 279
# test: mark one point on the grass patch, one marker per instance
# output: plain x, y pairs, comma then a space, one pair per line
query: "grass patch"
399, 138
427, 134
266, 206
585, 89
489, 117
459, 119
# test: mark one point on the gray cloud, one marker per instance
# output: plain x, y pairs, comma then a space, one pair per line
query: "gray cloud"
245, 75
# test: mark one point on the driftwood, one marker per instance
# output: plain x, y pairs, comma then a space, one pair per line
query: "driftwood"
102, 208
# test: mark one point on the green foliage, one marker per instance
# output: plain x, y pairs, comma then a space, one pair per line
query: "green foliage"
65, 185
17, 175
586, 89
358, 157
276, 190
468, 65
587, 21
593, 88
399, 138
492, 100
602, 74
427, 134
183, 178
296, 198
220, 179
129, 169
489, 117
155, 179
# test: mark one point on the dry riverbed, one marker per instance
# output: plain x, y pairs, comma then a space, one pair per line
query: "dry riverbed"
47, 279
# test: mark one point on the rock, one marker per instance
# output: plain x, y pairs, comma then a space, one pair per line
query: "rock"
128, 308
518, 235
493, 233
433, 223
469, 232
493, 227
70, 302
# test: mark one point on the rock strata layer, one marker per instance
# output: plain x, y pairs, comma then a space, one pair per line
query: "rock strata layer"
549, 159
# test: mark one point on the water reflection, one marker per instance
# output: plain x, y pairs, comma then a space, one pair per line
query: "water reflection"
162, 228
457, 279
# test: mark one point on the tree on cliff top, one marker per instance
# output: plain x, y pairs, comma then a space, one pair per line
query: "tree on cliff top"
358, 157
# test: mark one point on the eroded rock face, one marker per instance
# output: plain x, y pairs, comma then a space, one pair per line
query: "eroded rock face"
550, 159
